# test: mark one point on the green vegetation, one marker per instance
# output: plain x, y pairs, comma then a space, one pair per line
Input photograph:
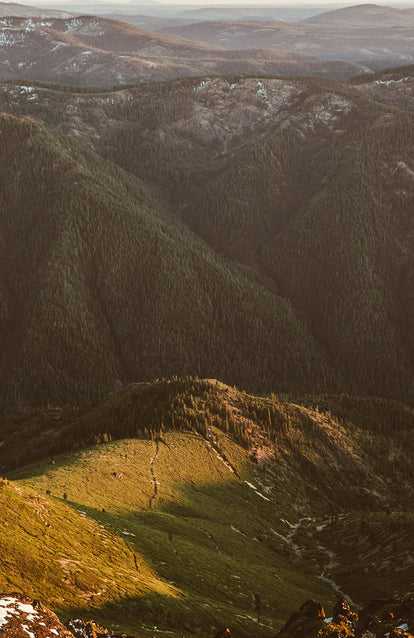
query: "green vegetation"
374, 552
61, 556
200, 505
207, 533
270, 256
311, 437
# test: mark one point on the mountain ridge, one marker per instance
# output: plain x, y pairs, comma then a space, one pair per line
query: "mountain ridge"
93, 50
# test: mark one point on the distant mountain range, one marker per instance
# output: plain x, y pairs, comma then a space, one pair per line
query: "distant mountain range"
373, 35
26, 11
95, 50
367, 15
91, 50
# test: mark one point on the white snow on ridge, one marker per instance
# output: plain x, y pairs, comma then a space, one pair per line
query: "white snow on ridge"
27, 609
9, 37
253, 487
388, 82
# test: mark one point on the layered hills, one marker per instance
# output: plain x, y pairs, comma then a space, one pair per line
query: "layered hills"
154, 238
91, 50
369, 15
255, 169
375, 36
28, 11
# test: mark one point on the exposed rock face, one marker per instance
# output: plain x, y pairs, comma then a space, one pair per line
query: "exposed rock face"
21, 616
312, 609
341, 610
392, 618
310, 612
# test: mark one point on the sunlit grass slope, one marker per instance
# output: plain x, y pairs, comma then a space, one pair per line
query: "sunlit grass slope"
61, 556
204, 487
207, 532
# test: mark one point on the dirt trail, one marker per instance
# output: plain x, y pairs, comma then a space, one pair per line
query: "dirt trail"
154, 480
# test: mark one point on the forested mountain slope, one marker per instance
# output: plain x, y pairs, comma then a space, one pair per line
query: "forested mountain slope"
101, 286
305, 181
393, 87
308, 182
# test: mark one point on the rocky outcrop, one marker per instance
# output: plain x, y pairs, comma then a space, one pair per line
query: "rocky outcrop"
21, 616
24, 617
383, 618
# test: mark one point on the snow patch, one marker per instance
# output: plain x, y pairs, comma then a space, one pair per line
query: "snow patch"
261, 90
10, 606
203, 85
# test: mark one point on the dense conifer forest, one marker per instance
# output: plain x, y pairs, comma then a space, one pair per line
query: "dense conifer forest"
206, 337
255, 231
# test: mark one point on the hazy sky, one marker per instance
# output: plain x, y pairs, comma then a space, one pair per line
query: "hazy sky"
138, 6
278, 3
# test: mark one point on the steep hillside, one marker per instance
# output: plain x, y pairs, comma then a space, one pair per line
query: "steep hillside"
68, 559
100, 286
225, 495
92, 50
254, 167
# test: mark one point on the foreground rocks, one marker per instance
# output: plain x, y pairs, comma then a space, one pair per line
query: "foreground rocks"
384, 618
23, 617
